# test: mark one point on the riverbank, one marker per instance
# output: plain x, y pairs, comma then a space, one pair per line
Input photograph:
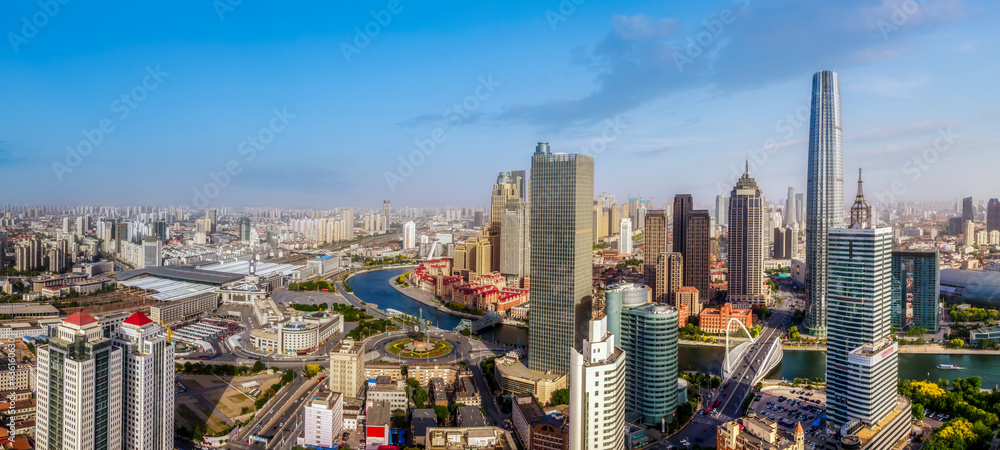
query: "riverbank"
912, 349
423, 297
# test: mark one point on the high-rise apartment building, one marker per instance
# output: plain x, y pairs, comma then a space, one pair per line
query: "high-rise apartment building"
633, 209
916, 273
745, 277
79, 388
147, 384
993, 215
597, 390
786, 243
969, 234
825, 192
861, 358
655, 243
409, 235
649, 339
152, 252
625, 236
697, 254
323, 420
121, 236
968, 209
669, 277
562, 192
386, 209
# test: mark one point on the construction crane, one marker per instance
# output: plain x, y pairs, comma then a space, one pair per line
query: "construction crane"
170, 333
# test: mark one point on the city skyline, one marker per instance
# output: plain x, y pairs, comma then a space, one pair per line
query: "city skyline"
203, 94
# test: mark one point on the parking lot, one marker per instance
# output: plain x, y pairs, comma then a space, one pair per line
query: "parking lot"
788, 406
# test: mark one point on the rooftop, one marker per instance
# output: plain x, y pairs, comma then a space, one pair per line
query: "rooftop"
138, 319
80, 318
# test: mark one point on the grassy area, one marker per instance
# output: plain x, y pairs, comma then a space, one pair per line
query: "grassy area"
439, 348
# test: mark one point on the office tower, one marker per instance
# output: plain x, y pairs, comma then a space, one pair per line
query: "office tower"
955, 226
824, 191
669, 277
655, 243
504, 189
625, 236
861, 358
649, 339
633, 209
682, 208
477, 219
148, 384
968, 210
746, 243
918, 269
786, 242
160, 230
597, 389
722, 210
347, 367
619, 297
152, 252
514, 240
562, 189
993, 215
790, 213
79, 388
212, 220
409, 235
121, 236
386, 209
697, 251
800, 208
245, 229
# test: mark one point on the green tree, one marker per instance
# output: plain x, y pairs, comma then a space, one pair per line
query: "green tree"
716, 382
956, 343
916, 331
257, 367
918, 412
560, 397
442, 413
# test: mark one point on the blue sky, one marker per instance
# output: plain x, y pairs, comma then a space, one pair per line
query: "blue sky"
669, 96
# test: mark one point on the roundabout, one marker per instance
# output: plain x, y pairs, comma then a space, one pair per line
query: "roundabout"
412, 348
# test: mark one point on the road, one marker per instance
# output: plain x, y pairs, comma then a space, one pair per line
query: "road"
702, 428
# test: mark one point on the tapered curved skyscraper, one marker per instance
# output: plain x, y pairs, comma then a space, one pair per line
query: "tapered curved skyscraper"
824, 192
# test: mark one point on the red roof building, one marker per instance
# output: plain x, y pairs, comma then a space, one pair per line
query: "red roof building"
138, 319
80, 318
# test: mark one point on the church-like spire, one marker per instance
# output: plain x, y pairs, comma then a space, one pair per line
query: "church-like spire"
861, 213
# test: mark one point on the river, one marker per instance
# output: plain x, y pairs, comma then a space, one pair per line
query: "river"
373, 287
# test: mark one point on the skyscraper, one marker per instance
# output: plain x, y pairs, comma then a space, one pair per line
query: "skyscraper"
800, 208
790, 214
861, 358
655, 238
245, 229
212, 216
409, 235
514, 240
649, 338
993, 215
625, 236
968, 209
722, 210
697, 254
562, 192
669, 277
825, 192
597, 390
918, 269
79, 388
504, 189
633, 209
386, 209
746, 243
148, 387
682, 207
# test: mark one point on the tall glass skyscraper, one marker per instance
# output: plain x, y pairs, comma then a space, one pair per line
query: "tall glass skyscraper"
919, 270
562, 195
825, 192
747, 243
862, 364
649, 339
